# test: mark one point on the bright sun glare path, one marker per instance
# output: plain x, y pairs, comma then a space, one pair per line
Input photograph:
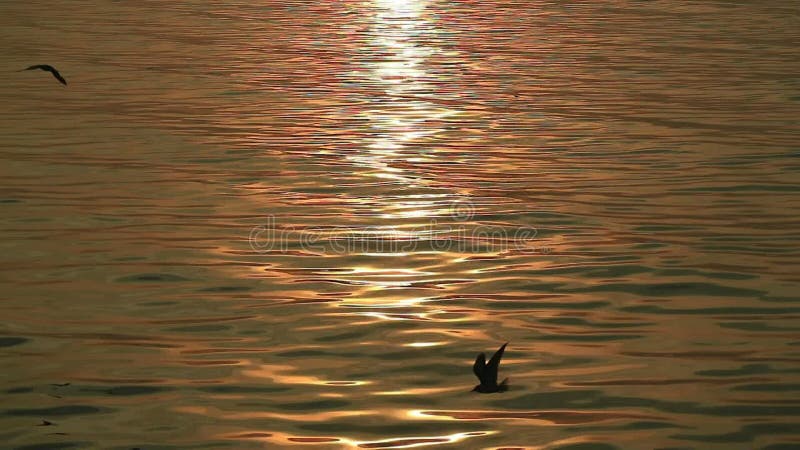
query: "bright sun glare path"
402, 118
424, 441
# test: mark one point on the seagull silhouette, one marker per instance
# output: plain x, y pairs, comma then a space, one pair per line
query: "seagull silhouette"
487, 373
48, 68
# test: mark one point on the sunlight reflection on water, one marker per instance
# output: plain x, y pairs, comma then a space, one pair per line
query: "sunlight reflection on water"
285, 224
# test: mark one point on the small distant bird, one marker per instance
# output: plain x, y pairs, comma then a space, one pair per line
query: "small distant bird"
48, 68
44, 423
487, 373
60, 384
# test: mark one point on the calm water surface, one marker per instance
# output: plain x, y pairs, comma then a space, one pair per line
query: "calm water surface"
294, 224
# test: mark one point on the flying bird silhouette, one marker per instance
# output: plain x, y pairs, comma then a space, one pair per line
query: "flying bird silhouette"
48, 68
487, 373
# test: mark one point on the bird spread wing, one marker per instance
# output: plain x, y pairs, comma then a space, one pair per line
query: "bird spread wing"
49, 68
480, 367
58, 76
494, 364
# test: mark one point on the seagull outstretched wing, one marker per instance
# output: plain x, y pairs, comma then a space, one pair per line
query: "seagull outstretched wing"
494, 364
480, 368
51, 69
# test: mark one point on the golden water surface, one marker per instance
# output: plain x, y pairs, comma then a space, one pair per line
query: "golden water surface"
286, 224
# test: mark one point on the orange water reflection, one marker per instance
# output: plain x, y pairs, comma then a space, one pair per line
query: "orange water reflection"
403, 123
405, 442
658, 163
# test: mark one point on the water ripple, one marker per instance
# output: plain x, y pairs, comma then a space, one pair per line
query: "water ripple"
284, 224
